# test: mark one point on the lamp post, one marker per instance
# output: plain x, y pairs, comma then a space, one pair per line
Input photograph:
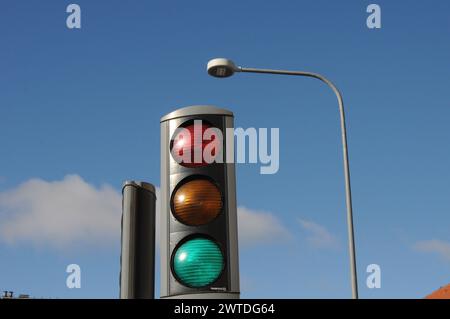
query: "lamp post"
222, 68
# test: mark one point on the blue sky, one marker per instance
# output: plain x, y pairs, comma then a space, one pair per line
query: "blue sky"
80, 110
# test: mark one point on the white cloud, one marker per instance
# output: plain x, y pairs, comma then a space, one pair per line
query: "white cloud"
72, 211
60, 213
435, 246
257, 227
318, 236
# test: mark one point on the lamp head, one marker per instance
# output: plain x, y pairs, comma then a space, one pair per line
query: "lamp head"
221, 68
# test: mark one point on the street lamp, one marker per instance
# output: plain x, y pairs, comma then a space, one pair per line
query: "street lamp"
222, 68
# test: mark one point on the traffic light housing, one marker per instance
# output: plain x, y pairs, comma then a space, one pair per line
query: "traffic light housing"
199, 247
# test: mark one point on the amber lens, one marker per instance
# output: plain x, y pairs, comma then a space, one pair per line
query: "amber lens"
196, 202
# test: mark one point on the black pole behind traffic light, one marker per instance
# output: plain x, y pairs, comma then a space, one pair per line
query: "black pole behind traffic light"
137, 262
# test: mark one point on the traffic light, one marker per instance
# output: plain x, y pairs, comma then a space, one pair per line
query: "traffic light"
199, 248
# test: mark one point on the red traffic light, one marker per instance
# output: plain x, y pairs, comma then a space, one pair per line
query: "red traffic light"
189, 143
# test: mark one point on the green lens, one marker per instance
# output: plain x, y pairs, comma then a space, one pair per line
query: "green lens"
198, 262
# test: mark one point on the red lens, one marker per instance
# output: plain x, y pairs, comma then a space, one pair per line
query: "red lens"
188, 145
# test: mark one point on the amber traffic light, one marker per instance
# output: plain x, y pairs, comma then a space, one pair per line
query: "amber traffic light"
196, 202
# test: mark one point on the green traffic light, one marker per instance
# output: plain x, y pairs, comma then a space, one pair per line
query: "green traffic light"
198, 262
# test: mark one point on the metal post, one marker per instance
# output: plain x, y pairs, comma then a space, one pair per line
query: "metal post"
348, 193
137, 262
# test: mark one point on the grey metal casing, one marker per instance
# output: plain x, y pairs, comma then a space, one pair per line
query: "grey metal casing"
171, 174
137, 260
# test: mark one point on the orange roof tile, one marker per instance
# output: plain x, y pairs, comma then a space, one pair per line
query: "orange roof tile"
442, 293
